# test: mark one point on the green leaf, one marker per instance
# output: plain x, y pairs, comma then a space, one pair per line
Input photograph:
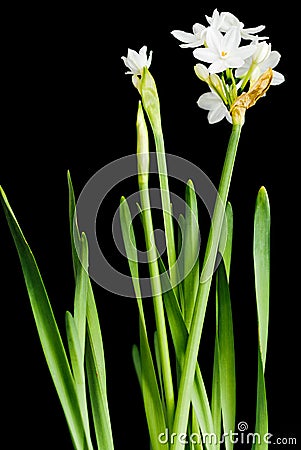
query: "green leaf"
74, 231
153, 404
261, 255
261, 425
179, 334
261, 249
191, 247
96, 374
75, 349
130, 243
137, 363
77, 358
158, 362
47, 329
216, 406
226, 354
80, 298
226, 238
180, 261
226, 249
94, 351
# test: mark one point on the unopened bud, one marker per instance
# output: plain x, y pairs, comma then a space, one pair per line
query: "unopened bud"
201, 72
150, 98
217, 84
142, 148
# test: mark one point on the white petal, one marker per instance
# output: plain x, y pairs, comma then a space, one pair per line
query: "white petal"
263, 50
148, 63
183, 36
204, 54
208, 101
214, 39
196, 43
219, 65
214, 19
278, 78
245, 51
228, 116
254, 30
231, 39
271, 61
198, 28
229, 20
239, 72
142, 51
131, 54
235, 61
216, 115
250, 37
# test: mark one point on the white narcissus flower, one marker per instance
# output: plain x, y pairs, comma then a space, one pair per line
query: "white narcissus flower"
216, 107
216, 20
225, 20
261, 60
136, 61
223, 51
194, 39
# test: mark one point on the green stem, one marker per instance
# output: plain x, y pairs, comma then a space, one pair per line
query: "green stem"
247, 77
158, 303
151, 105
166, 205
191, 355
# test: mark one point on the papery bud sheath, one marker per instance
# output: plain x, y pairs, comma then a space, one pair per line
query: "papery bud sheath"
142, 148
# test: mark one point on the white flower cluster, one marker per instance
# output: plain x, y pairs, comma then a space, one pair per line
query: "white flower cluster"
232, 67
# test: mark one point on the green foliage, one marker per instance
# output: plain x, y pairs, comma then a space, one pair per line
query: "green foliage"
86, 354
168, 366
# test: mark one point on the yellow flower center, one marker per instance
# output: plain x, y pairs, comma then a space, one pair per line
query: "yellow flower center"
224, 53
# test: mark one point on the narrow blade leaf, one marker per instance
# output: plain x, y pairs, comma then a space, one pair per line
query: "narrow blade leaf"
144, 363
226, 355
261, 250
261, 254
47, 329
94, 351
191, 243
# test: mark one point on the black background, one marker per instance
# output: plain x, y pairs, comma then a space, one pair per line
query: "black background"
67, 104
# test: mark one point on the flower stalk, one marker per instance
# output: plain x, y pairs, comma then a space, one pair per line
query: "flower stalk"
142, 160
188, 373
151, 105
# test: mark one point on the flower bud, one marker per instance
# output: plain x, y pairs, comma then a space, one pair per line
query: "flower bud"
217, 84
150, 99
142, 148
201, 72
262, 52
